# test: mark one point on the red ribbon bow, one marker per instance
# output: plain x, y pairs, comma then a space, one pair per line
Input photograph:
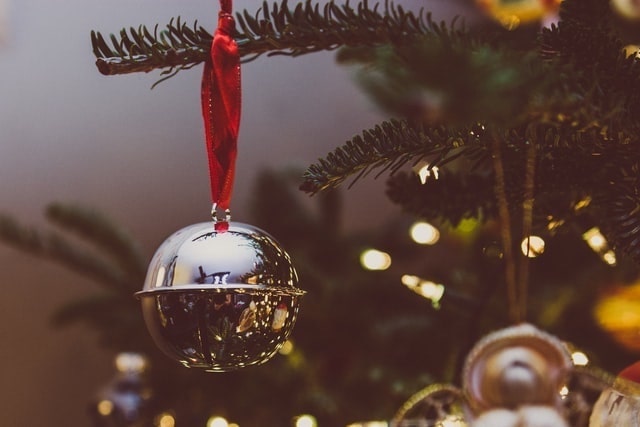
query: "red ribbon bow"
221, 107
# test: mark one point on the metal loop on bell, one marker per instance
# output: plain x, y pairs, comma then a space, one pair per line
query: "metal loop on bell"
214, 214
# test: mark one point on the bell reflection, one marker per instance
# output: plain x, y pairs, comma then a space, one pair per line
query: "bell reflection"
220, 331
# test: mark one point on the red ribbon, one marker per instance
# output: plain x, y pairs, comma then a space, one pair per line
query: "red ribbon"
221, 107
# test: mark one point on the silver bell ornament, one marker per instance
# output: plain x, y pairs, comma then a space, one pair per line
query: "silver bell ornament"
220, 296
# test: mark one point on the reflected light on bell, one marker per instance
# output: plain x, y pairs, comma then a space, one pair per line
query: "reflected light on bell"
217, 422
105, 407
287, 348
532, 246
579, 358
166, 420
564, 392
160, 278
424, 233
373, 259
609, 257
306, 421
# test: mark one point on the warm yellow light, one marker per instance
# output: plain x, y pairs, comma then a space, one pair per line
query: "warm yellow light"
166, 420
217, 422
424, 233
425, 171
432, 291
532, 246
287, 348
410, 281
579, 358
373, 259
233, 425
599, 244
609, 257
306, 421
130, 362
426, 288
595, 239
105, 407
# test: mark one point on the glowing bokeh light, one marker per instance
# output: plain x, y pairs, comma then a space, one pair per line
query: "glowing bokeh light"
287, 348
424, 233
532, 246
131, 362
426, 288
306, 421
217, 422
373, 259
105, 407
166, 420
599, 244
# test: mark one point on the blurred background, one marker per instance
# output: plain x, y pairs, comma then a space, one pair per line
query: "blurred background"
69, 134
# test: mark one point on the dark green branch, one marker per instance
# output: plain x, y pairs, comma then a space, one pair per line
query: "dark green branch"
57, 248
389, 146
272, 30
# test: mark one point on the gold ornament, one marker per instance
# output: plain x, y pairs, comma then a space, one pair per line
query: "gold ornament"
511, 13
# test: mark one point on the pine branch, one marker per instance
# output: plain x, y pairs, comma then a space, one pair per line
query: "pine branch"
275, 30
452, 198
94, 227
389, 146
57, 248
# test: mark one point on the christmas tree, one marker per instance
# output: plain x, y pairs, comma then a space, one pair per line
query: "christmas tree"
521, 134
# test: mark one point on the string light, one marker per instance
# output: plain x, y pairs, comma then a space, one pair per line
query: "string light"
217, 422
599, 244
424, 170
166, 420
373, 259
426, 288
532, 246
105, 407
306, 421
424, 233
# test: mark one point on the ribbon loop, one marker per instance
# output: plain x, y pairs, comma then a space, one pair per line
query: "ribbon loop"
221, 105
